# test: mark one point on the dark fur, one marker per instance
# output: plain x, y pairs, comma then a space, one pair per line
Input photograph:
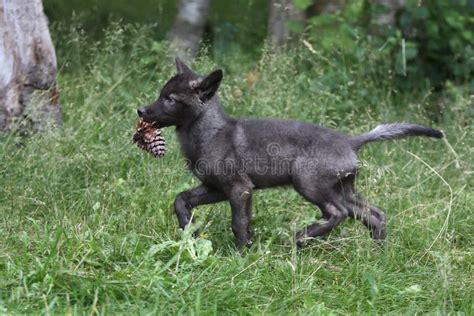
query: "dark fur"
232, 157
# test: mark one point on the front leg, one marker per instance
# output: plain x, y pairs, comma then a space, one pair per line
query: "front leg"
240, 198
187, 200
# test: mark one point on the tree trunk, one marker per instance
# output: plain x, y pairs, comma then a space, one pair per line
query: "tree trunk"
28, 65
281, 13
383, 15
188, 28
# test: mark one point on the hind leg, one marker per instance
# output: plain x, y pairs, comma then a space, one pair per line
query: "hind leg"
370, 215
359, 208
333, 213
319, 191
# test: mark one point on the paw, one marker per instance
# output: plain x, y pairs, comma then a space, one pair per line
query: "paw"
243, 244
378, 235
302, 240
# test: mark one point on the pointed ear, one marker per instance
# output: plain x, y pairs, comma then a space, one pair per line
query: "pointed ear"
207, 87
181, 67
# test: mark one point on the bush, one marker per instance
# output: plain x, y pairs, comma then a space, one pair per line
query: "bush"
439, 41
432, 41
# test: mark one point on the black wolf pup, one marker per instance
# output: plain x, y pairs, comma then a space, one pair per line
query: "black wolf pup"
234, 156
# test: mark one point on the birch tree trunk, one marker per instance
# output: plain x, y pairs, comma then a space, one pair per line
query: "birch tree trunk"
188, 28
27, 65
281, 13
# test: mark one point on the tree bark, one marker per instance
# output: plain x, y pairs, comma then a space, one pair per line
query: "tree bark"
188, 28
28, 65
281, 13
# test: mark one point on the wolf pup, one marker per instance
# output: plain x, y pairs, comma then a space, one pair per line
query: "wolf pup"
234, 156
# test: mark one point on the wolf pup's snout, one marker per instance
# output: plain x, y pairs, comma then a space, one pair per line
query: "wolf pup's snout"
140, 111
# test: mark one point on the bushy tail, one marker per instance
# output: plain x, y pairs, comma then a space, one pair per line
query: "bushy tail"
395, 131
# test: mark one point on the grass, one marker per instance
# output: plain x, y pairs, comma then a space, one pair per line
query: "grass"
88, 227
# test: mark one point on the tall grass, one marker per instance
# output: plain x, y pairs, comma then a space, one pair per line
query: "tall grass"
87, 224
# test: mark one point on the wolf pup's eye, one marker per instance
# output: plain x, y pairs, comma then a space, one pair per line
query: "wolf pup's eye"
169, 100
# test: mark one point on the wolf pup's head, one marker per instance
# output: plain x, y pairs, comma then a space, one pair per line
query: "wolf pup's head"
182, 98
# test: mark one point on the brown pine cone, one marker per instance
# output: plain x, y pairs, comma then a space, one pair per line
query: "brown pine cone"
148, 137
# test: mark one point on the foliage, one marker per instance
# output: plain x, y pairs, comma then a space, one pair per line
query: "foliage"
87, 220
433, 41
440, 40
95, 16
237, 26
340, 30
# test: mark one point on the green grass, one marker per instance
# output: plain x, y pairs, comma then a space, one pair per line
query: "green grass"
87, 224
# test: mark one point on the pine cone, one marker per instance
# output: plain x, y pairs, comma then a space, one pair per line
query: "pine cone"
148, 137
